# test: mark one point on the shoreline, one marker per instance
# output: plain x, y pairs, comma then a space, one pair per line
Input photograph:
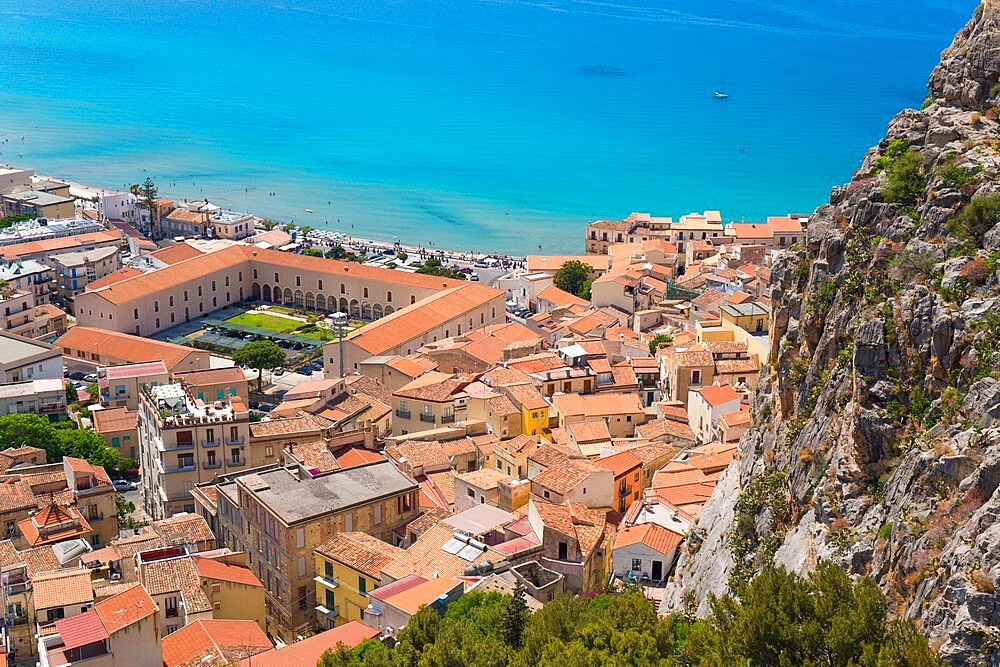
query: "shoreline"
88, 192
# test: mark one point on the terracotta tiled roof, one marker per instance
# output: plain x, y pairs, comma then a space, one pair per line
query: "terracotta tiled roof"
653, 535
738, 366
180, 251
708, 298
114, 419
122, 610
123, 346
565, 477
597, 404
360, 552
412, 599
589, 431
396, 587
666, 430
214, 568
749, 230
63, 243
192, 528
102, 592
548, 455
486, 478
558, 297
432, 386
15, 494
39, 559
357, 456
409, 323
62, 588
129, 546
114, 277
518, 444
695, 356
715, 395
784, 225
214, 642
172, 575
309, 650
737, 418
428, 517
620, 463
444, 482
725, 347
53, 523
587, 526
305, 423
502, 406
552, 263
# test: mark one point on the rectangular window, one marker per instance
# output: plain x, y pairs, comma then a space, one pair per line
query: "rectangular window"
328, 570
378, 514
303, 598
300, 538
301, 567
330, 602
171, 606
636, 564
362, 585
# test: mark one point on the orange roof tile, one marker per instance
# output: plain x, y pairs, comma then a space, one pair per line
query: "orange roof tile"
620, 464
214, 642
567, 476
62, 588
114, 419
589, 431
122, 610
113, 277
749, 230
653, 535
558, 297
784, 224
715, 395
181, 251
63, 243
123, 346
213, 568
309, 650
597, 404
360, 552
412, 599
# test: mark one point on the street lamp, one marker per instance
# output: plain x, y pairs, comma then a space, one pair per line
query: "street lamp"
340, 321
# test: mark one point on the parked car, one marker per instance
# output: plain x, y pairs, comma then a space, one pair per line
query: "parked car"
77, 375
125, 485
480, 265
92, 377
305, 370
265, 407
277, 372
465, 269
474, 277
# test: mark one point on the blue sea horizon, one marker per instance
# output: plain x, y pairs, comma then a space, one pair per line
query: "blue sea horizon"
493, 126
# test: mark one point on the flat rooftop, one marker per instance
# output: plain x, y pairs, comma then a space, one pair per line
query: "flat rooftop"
294, 500
13, 348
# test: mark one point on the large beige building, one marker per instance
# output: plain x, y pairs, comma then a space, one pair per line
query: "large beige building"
184, 440
154, 301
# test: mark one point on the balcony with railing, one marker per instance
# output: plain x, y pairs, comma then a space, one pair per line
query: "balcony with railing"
447, 419
403, 414
210, 443
211, 465
235, 441
424, 417
236, 463
171, 447
167, 469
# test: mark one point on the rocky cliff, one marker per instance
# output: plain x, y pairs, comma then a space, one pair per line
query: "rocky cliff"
876, 439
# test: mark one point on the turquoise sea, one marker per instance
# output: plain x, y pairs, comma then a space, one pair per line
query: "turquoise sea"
499, 125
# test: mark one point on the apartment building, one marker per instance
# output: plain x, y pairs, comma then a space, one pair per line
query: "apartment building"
38, 397
120, 385
621, 412
29, 275
120, 429
37, 204
431, 401
76, 236
76, 270
183, 441
280, 515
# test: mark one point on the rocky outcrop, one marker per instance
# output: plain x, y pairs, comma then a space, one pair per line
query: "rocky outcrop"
876, 438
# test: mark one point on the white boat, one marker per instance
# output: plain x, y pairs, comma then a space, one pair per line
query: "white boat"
721, 93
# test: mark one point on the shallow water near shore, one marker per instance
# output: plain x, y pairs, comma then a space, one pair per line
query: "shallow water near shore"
500, 126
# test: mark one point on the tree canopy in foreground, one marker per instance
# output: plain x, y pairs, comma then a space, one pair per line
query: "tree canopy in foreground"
825, 619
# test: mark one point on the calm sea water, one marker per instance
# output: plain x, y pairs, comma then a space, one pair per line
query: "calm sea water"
502, 125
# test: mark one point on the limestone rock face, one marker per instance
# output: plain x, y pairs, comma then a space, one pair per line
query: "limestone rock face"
876, 436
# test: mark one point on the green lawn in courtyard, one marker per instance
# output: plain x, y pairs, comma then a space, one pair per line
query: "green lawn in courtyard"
264, 321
